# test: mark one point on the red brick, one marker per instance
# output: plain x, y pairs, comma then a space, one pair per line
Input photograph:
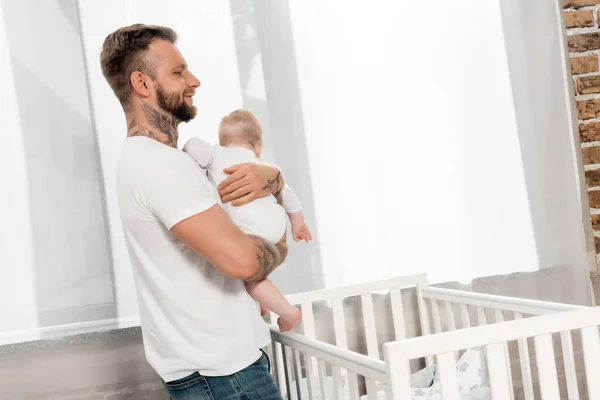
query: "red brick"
588, 109
584, 42
579, 19
584, 65
588, 84
594, 198
579, 3
596, 222
592, 177
591, 155
589, 132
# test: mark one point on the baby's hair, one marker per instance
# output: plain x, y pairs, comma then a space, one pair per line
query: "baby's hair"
240, 127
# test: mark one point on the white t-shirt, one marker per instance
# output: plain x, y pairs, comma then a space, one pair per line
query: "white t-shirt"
193, 317
262, 217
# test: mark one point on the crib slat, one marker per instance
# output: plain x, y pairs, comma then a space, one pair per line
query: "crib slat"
498, 371
499, 316
279, 362
369, 324
546, 365
398, 313
368, 314
466, 319
297, 371
322, 378
399, 369
450, 316
308, 320
424, 319
590, 344
310, 363
388, 391
435, 313
337, 382
286, 368
525, 365
448, 379
339, 327
569, 362
481, 319
275, 362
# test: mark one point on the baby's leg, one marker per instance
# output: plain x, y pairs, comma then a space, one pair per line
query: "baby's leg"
267, 294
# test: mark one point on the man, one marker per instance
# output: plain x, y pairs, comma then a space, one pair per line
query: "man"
202, 331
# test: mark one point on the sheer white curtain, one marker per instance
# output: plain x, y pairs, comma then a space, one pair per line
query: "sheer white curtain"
414, 139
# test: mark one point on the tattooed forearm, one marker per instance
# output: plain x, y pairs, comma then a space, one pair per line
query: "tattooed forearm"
162, 123
269, 257
273, 184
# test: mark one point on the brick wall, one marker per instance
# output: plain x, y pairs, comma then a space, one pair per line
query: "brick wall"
582, 19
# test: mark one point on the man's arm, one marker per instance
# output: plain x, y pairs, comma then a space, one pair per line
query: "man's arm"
248, 182
180, 195
212, 235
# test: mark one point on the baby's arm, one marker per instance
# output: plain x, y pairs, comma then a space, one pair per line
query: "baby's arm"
289, 201
201, 151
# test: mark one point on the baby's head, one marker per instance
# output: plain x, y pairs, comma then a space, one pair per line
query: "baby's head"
240, 128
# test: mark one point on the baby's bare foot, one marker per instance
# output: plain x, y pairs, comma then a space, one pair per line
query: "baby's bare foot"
288, 321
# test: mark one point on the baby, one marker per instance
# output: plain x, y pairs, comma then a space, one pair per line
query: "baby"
240, 141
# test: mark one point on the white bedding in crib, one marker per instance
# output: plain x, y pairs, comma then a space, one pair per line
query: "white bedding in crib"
471, 369
472, 374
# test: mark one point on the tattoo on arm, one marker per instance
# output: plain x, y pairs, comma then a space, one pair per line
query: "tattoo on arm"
269, 257
273, 184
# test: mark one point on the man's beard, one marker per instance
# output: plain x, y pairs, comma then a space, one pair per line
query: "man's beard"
174, 103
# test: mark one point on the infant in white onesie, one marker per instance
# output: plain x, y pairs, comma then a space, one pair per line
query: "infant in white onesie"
240, 141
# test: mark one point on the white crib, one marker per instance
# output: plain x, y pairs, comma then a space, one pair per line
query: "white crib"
451, 322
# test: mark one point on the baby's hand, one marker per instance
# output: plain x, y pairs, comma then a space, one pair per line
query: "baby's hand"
300, 230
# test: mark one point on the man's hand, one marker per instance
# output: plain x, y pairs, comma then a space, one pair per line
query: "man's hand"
248, 181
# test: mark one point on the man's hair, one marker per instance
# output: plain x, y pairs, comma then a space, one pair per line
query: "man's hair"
240, 127
126, 51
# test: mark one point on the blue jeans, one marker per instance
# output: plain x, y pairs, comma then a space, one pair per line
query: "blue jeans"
252, 383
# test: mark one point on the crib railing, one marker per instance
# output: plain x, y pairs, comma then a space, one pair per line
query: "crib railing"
439, 310
493, 338
336, 297
308, 361
442, 306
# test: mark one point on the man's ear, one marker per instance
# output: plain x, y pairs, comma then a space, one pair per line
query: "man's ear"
141, 83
